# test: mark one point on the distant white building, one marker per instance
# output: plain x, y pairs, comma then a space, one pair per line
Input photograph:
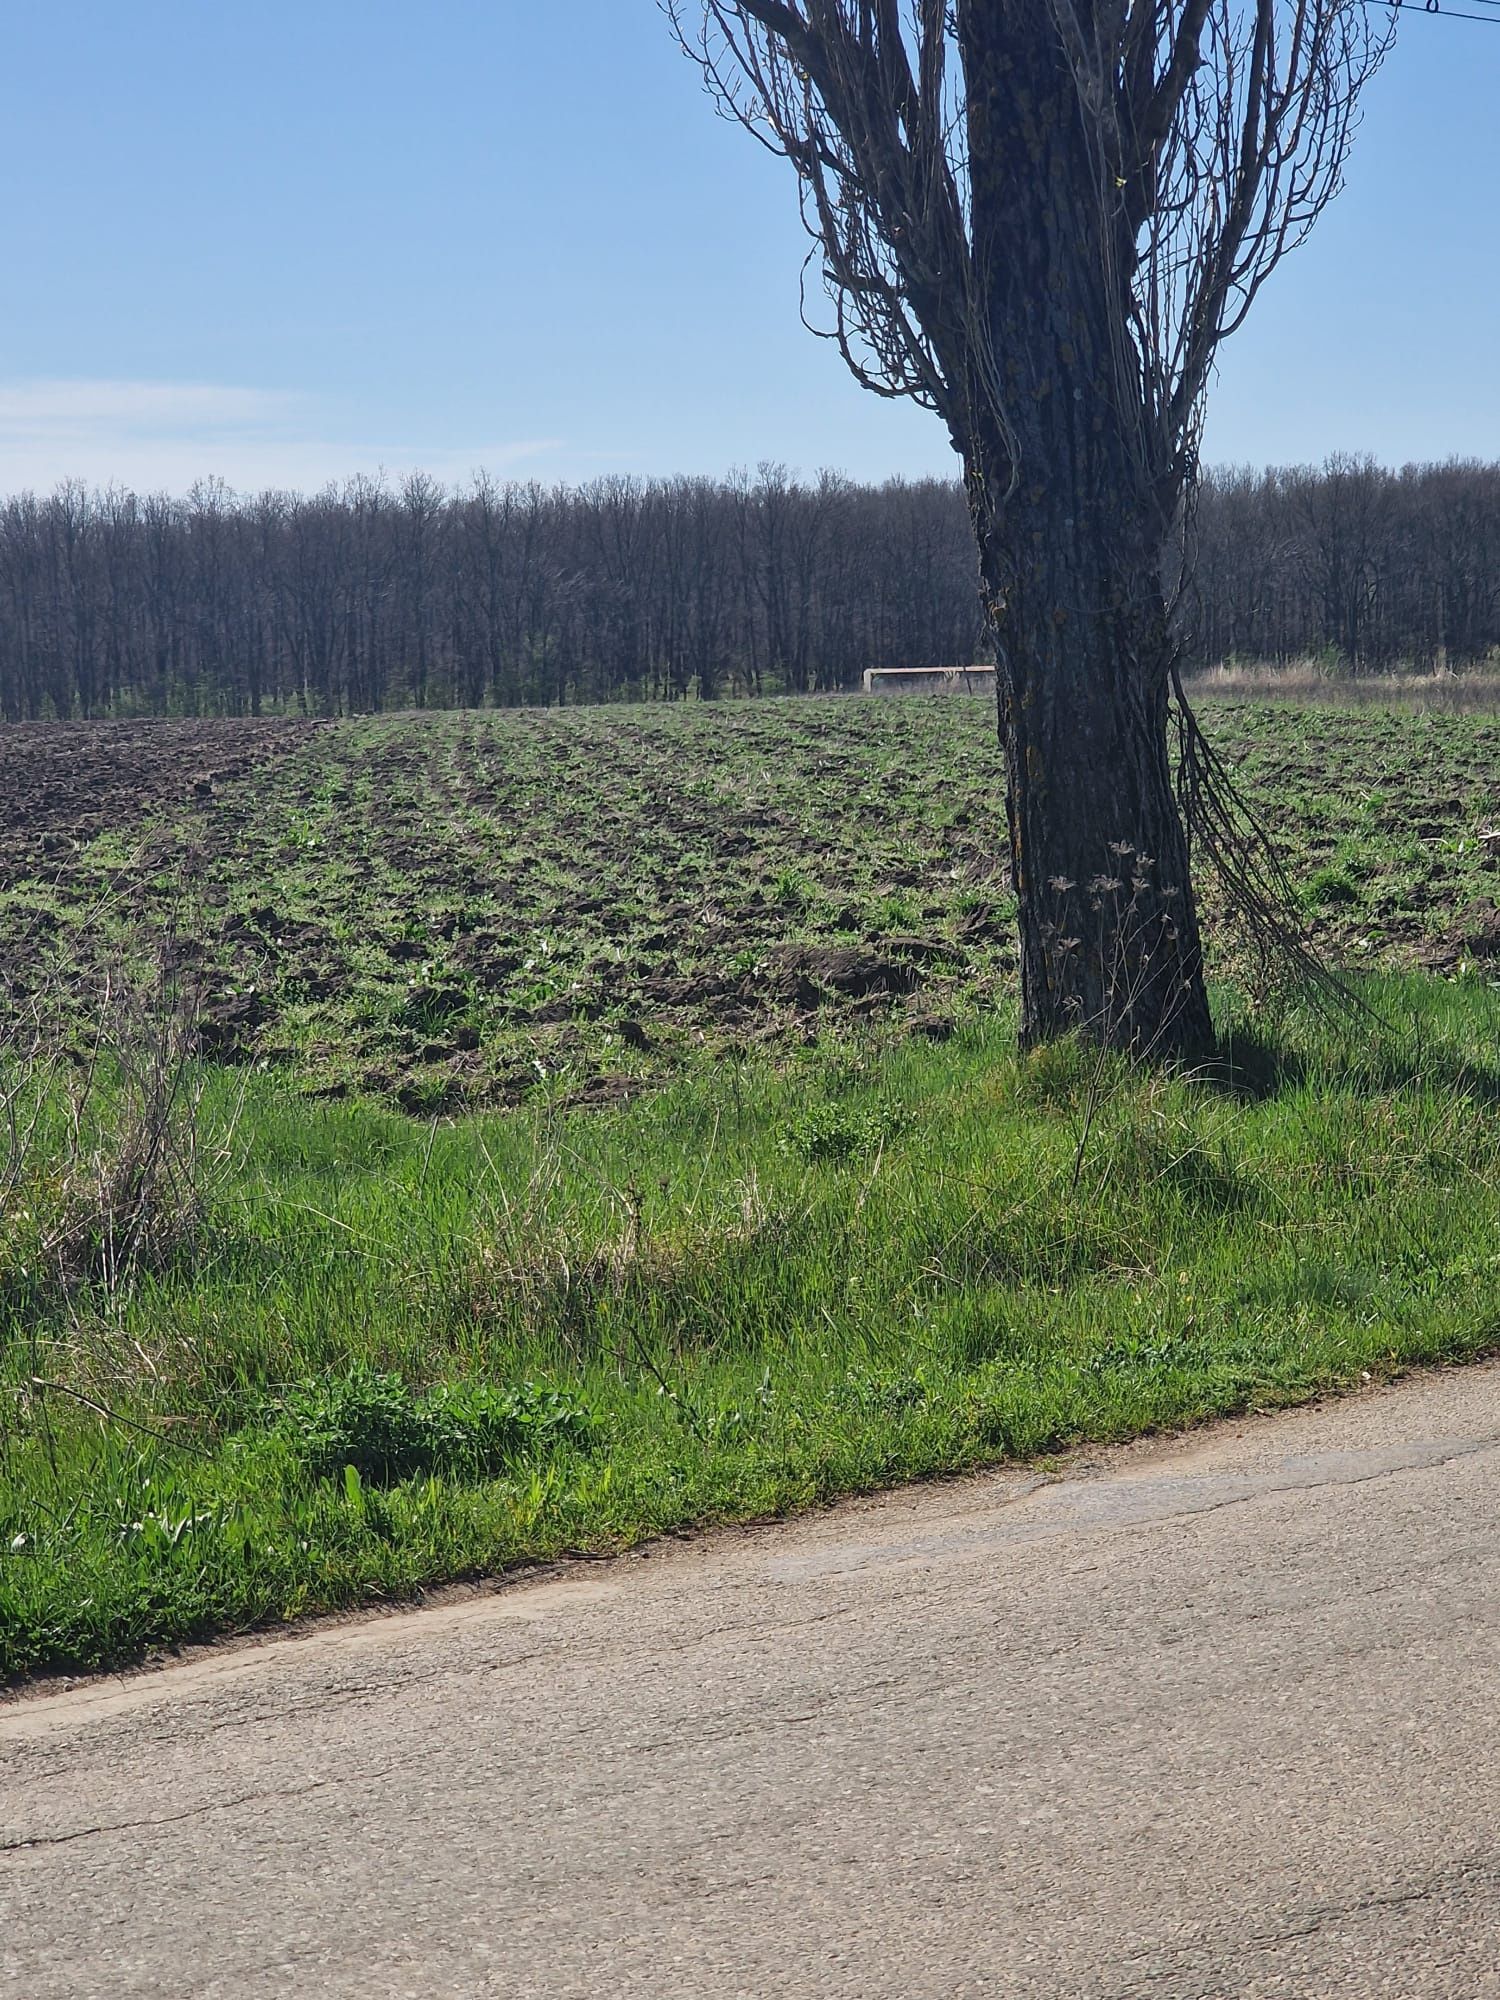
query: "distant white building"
929, 680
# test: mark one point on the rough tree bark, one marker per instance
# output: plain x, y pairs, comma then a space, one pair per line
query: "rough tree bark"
1070, 533
1039, 218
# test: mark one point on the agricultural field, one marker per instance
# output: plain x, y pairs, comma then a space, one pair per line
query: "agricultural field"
63, 786
441, 1143
452, 911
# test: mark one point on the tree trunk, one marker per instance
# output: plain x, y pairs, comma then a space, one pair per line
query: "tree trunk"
1069, 516
1109, 933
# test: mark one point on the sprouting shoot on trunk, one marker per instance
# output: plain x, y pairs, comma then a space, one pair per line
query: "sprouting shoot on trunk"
1039, 219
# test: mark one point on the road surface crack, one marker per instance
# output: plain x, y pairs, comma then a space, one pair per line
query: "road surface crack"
1322, 1916
1468, 1449
1214, 1956
39, 1840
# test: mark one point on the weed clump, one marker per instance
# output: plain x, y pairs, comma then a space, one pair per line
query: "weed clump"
108, 1159
834, 1133
1332, 888
374, 1422
1061, 1075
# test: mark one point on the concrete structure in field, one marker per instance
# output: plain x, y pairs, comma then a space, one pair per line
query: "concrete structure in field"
929, 680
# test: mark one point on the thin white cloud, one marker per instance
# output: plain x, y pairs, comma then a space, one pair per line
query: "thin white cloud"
164, 436
49, 406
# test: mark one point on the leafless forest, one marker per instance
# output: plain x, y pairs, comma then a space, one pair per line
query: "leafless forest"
380, 595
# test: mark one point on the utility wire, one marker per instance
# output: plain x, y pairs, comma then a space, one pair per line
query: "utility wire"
1431, 10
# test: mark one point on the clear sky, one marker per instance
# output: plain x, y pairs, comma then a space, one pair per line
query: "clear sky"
286, 242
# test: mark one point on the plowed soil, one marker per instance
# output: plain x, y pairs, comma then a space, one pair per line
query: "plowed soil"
475, 908
64, 783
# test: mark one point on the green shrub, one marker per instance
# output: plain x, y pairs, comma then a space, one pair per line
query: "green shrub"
374, 1422
839, 1132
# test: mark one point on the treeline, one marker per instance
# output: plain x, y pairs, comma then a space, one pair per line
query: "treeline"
1363, 567
377, 595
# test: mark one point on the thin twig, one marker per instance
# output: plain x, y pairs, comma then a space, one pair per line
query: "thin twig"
118, 1417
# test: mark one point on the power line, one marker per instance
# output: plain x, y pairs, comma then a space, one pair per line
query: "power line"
1431, 10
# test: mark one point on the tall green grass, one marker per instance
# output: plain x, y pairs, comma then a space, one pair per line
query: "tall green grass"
389, 1352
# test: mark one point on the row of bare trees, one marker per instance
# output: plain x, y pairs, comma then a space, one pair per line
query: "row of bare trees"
1365, 567
377, 596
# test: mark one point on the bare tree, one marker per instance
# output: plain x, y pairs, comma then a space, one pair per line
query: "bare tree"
1039, 218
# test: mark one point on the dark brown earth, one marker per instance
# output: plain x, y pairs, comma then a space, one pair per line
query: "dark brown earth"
64, 783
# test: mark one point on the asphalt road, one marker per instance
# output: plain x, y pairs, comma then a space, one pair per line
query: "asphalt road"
1214, 1718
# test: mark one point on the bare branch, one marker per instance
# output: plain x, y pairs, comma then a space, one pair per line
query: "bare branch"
1219, 130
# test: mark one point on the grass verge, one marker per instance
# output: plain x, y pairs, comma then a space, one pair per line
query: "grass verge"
391, 1353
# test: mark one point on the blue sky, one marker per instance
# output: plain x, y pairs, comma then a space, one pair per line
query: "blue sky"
289, 242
